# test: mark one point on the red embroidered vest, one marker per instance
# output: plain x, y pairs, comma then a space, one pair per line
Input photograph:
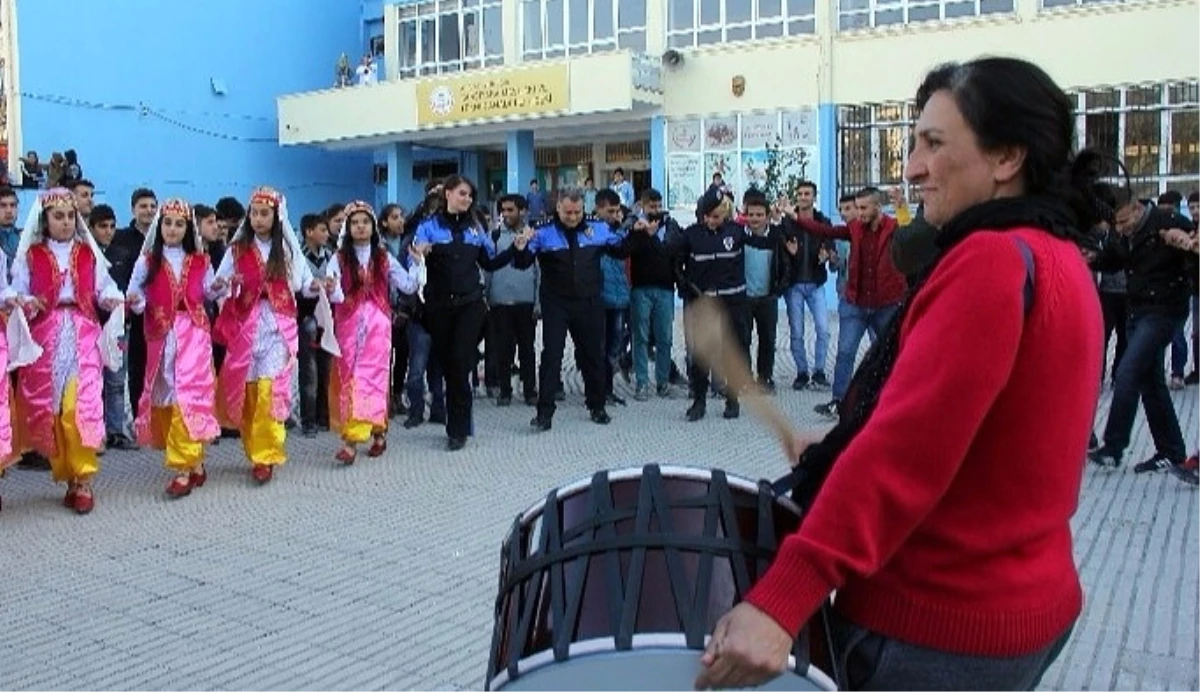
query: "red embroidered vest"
167, 294
46, 278
374, 286
251, 271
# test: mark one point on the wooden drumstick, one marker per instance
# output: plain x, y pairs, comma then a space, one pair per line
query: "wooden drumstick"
714, 343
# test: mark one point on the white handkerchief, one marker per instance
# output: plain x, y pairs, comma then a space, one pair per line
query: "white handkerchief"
110, 340
22, 349
422, 279
324, 315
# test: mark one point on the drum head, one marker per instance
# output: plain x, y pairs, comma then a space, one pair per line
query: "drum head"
640, 669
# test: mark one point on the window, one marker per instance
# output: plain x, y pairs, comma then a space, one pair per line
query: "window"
692, 23
865, 14
556, 28
450, 36
1049, 4
873, 145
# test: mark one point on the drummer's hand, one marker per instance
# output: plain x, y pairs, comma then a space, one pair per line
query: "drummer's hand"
798, 444
747, 649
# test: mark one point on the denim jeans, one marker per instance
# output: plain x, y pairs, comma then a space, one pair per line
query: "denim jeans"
853, 322
653, 316
423, 367
1140, 376
116, 413
796, 298
614, 343
1179, 350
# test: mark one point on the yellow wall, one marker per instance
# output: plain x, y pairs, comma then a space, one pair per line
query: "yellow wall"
1078, 47
778, 74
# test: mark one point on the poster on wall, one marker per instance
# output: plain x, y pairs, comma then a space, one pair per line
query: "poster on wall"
759, 130
725, 163
799, 128
721, 133
683, 135
754, 169
685, 180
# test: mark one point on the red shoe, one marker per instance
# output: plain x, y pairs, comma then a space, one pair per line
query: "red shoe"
69, 499
346, 455
262, 473
181, 486
84, 502
378, 446
197, 478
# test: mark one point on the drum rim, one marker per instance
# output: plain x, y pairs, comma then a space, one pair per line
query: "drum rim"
652, 640
667, 471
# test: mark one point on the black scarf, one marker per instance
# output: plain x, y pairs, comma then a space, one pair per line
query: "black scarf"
1046, 213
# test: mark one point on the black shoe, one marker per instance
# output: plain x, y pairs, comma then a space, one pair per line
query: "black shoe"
1158, 462
541, 423
229, 434
309, 431
490, 392
399, 409
504, 400
438, 418
122, 443
819, 382
1188, 471
800, 382
1105, 459
732, 410
560, 395
677, 377
1193, 378
696, 411
454, 444
289, 424
767, 385
829, 410
413, 421
531, 399
614, 400
34, 462
601, 417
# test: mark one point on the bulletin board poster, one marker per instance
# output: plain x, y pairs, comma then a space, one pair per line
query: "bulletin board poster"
684, 136
685, 180
799, 128
759, 130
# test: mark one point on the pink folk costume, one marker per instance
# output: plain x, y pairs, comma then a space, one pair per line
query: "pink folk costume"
257, 324
169, 286
59, 394
7, 453
358, 388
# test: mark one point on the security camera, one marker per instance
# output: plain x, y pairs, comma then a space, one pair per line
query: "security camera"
672, 58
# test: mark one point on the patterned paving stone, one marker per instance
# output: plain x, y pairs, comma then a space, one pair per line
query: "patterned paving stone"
383, 575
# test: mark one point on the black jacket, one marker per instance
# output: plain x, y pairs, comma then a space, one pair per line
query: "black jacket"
122, 254
1158, 276
714, 262
806, 267
569, 258
649, 264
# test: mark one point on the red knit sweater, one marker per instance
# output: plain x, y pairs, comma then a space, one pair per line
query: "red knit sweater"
946, 522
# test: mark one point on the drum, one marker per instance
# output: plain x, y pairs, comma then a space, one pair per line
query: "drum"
617, 582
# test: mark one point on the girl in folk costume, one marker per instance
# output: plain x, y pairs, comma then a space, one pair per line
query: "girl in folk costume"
265, 268
59, 276
8, 300
364, 271
171, 281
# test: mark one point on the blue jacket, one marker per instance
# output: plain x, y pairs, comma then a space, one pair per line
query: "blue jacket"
572, 272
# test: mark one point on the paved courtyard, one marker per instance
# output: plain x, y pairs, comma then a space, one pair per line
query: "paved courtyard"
383, 575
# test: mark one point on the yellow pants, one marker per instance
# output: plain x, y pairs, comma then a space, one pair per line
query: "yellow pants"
262, 435
182, 453
359, 431
73, 461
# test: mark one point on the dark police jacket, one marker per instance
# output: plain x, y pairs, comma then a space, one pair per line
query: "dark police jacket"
714, 262
569, 258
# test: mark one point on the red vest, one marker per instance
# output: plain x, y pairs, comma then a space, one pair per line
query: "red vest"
166, 294
251, 272
46, 278
374, 286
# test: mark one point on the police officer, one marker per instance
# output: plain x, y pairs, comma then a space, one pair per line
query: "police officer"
568, 251
711, 253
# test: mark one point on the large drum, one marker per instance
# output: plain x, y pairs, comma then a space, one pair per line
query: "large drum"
615, 583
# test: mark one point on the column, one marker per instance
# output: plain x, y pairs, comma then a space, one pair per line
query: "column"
658, 154
521, 166
399, 169
827, 141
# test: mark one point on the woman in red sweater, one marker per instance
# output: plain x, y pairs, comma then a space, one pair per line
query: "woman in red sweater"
940, 505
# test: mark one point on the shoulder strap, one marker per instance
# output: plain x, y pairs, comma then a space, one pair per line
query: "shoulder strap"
1027, 256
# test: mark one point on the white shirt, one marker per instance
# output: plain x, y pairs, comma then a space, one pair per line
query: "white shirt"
404, 280
104, 289
174, 257
366, 74
301, 273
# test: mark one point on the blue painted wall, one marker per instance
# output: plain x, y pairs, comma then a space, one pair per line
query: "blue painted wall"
128, 86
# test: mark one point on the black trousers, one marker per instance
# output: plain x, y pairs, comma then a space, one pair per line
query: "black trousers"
454, 336
764, 318
583, 319
1115, 308
512, 331
739, 319
399, 360
314, 375
137, 360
